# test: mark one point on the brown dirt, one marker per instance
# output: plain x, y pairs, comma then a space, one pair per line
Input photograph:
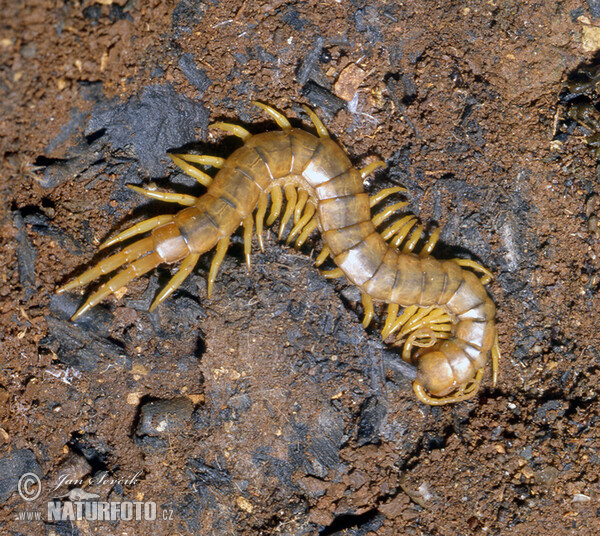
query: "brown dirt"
269, 409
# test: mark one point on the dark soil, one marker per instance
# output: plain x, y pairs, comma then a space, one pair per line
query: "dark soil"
268, 409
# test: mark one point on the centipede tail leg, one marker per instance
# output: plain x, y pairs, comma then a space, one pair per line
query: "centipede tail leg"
139, 228
169, 197
134, 270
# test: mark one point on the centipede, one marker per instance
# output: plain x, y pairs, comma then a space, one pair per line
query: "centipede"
446, 327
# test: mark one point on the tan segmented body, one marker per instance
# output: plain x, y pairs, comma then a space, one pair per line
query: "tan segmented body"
318, 165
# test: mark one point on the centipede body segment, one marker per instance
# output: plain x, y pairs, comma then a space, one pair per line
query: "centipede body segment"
447, 328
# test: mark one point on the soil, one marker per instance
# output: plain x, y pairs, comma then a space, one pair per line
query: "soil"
269, 409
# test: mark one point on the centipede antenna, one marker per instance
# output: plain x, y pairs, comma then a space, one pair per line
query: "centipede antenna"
222, 246
248, 228
368, 309
322, 257
263, 202
199, 175
276, 203
321, 130
291, 196
185, 269
382, 194
372, 167
236, 130
138, 228
169, 197
278, 117
135, 269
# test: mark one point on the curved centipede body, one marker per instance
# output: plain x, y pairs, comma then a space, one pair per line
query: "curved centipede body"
448, 327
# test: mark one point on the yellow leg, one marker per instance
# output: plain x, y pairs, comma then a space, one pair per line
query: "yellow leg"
468, 263
135, 269
278, 117
322, 256
368, 309
391, 230
222, 246
382, 194
205, 160
105, 266
200, 176
414, 238
495, 360
302, 198
236, 130
184, 270
169, 197
332, 274
306, 217
291, 196
392, 313
372, 167
321, 130
276, 202
388, 211
263, 202
403, 233
139, 228
248, 227
433, 239
310, 227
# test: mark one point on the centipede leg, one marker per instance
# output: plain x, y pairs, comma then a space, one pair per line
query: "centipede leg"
392, 313
204, 159
332, 274
309, 228
278, 117
248, 227
414, 238
263, 202
276, 203
185, 269
200, 176
388, 211
105, 266
302, 198
321, 130
391, 230
468, 263
291, 196
322, 257
139, 228
236, 130
135, 269
372, 167
403, 233
222, 246
433, 239
495, 360
368, 309
306, 217
382, 194
169, 197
